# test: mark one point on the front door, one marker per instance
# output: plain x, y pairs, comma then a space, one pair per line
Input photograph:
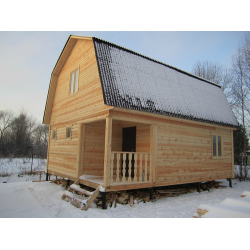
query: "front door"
129, 145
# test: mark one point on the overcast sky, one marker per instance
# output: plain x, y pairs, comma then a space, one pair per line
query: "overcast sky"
28, 58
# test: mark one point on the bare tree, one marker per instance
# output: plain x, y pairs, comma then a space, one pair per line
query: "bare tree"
215, 73
235, 84
21, 134
240, 92
23, 128
41, 140
6, 119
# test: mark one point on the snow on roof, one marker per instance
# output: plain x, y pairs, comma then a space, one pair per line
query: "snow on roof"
133, 81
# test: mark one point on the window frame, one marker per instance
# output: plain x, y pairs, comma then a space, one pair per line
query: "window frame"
218, 149
68, 129
74, 86
54, 133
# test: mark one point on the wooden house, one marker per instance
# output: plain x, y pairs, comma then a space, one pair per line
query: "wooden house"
125, 121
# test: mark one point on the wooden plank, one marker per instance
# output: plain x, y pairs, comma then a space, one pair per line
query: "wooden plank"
91, 199
201, 211
129, 166
112, 168
123, 166
140, 177
135, 168
232, 145
107, 155
118, 155
81, 131
133, 115
146, 168
153, 150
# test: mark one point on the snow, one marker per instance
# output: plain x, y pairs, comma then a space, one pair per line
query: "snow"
246, 193
133, 81
228, 208
79, 189
22, 198
10, 166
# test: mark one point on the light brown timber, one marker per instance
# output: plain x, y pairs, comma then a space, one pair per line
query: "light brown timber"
181, 149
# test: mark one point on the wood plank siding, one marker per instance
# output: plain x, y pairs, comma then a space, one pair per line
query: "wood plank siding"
168, 149
184, 148
185, 154
88, 100
69, 110
94, 143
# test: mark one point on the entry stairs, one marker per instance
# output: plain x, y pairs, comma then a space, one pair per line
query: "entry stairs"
79, 196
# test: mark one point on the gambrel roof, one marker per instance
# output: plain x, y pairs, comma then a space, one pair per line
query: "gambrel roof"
133, 81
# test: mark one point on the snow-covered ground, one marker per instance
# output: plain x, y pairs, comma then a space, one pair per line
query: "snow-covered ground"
22, 198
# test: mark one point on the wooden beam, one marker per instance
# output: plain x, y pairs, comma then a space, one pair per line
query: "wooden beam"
107, 154
80, 154
50, 99
153, 149
146, 117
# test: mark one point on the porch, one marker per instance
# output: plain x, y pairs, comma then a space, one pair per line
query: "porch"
112, 155
127, 171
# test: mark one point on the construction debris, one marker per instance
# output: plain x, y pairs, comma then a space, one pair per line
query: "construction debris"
131, 197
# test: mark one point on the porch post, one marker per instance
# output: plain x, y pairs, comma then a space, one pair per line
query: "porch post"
107, 154
81, 134
153, 149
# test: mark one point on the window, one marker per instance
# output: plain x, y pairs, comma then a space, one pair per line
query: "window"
68, 132
214, 146
54, 134
74, 81
217, 146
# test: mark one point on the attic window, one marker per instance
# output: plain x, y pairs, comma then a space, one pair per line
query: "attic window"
74, 81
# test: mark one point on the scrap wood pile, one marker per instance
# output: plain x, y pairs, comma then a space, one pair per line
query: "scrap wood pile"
172, 191
61, 181
125, 197
132, 197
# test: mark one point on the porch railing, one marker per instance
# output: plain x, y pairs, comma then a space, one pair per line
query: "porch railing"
130, 167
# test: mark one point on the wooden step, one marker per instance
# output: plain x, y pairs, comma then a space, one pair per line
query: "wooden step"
74, 200
80, 190
91, 199
79, 201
